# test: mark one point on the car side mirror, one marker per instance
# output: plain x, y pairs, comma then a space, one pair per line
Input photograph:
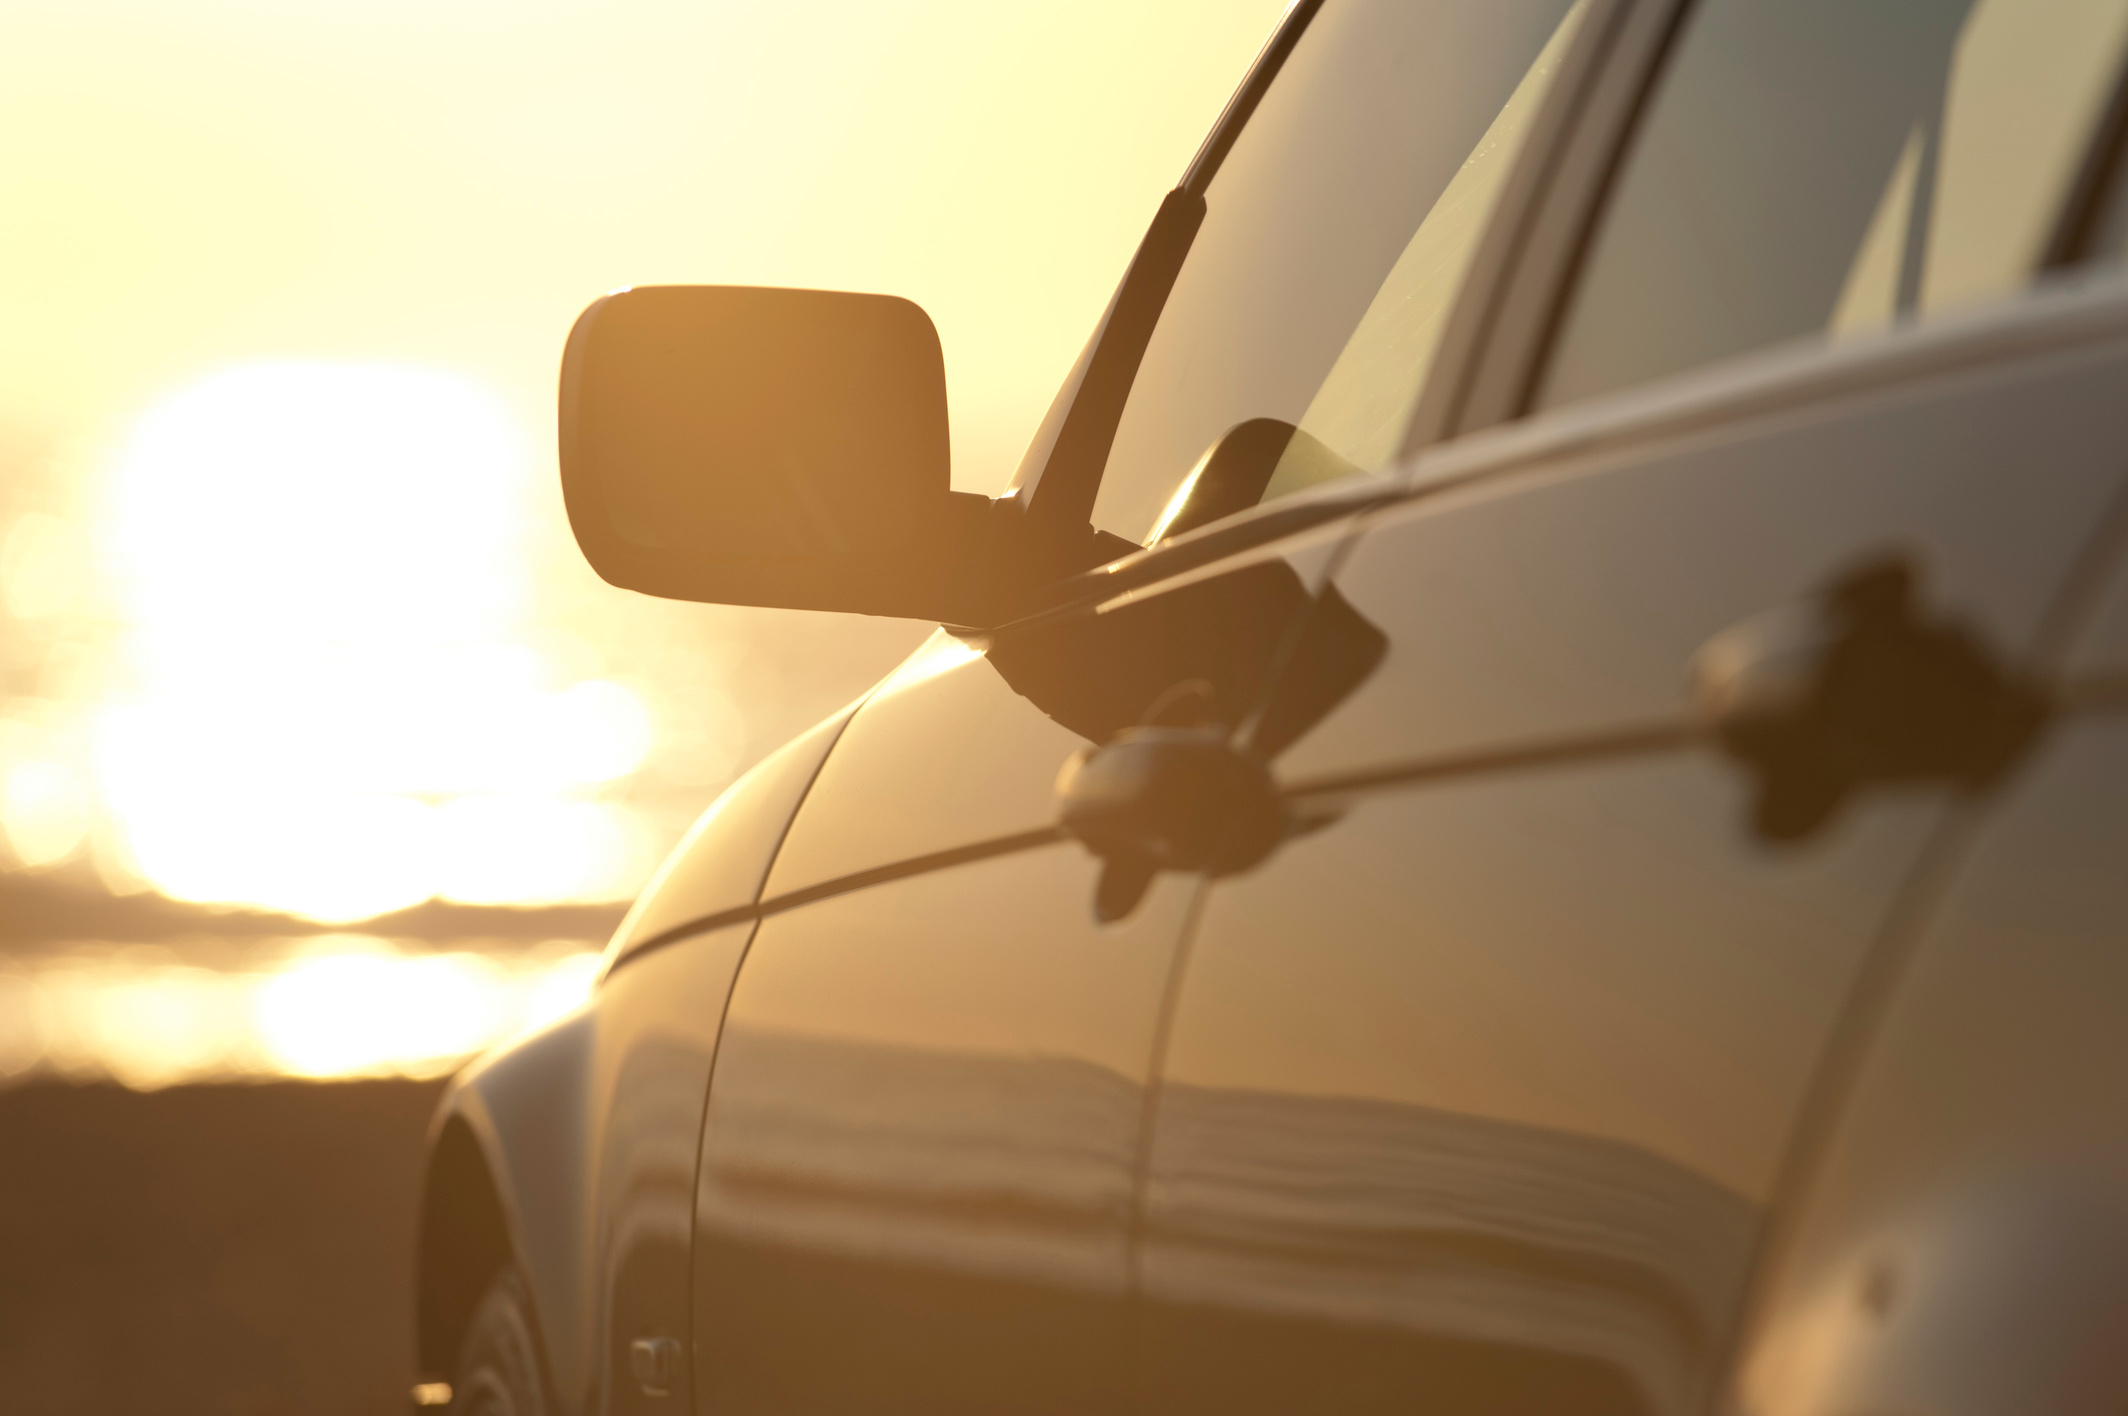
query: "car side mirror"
771, 447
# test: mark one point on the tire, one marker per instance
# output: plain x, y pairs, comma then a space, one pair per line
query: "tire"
498, 1371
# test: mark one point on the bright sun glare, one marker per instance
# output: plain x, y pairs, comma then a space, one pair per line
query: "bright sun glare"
340, 1006
307, 635
325, 579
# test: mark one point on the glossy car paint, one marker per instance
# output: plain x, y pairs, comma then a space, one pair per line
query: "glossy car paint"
719, 867
567, 1141
922, 1149
1495, 1080
1959, 1240
917, 1177
1515, 1136
1964, 1247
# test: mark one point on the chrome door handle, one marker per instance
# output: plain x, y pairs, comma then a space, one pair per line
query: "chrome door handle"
1857, 687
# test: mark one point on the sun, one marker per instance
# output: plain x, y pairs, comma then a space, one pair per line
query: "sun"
337, 707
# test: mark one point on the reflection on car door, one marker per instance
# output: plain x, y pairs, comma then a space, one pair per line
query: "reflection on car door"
1483, 1088
1479, 1093
1958, 1238
924, 1125
1964, 1244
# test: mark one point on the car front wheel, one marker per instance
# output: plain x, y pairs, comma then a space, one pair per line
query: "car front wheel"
498, 1363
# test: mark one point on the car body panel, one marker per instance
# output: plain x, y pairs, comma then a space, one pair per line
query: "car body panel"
586, 1128
1451, 1095
1564, 1008
718, 868
989, 776
1963, 1245
920, 1157
920, 1152
588, 1131
660, 1023
525, 1108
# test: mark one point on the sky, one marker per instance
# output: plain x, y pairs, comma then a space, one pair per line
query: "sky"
292, 619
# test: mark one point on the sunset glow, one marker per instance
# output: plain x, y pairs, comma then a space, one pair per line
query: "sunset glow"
290, 616
338, 710
338, 1006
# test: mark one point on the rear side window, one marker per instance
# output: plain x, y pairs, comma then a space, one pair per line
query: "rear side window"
1830, 167
1336, 234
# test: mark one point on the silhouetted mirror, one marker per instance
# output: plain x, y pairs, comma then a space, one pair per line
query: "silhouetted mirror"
764, 447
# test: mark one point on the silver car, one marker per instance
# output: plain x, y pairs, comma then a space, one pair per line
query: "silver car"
1523, 806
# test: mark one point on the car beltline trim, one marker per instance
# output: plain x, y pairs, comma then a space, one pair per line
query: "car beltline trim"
2102, 695
2088, 696
738, 914
843, 884
1638, 741
1628, 742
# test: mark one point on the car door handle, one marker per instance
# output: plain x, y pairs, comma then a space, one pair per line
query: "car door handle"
1157, 798
1853, 688
1858, 687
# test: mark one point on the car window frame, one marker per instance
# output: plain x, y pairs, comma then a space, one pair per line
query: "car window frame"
2098, 189
1514, 342
1560, 143
1557, 180
1061, 473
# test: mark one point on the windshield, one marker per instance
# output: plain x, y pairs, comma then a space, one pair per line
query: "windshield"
1337, 233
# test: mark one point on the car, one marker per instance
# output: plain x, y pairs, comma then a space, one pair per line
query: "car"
1520, 807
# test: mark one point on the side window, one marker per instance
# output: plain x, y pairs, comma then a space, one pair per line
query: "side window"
1336, 234
1819, 167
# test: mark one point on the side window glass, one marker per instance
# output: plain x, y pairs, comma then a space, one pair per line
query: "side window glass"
1818, 167
1336, 234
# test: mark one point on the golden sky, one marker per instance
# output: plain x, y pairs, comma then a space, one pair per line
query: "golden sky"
195, 184
288, 615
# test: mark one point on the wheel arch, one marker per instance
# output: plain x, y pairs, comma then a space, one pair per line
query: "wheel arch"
464, 1242
505, 1186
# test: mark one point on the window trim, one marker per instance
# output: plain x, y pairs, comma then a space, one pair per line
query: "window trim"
1499, 327
1057, 483
1570, 146
1545, 242
1517, 345
2098, 184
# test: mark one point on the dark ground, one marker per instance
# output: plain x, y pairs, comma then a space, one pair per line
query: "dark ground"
222, 1250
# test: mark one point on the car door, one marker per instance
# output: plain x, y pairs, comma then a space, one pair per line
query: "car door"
924, 1136
1955, 1238
651, 1041
1478, 1094
921, 1146
1959, 1241
915, 1170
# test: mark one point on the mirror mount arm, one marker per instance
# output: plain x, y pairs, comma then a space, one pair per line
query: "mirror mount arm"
1006, 559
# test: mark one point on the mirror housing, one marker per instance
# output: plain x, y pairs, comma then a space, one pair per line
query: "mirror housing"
788, 448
